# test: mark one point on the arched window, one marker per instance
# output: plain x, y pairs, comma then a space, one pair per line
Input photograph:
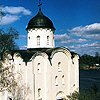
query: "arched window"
59, 66
29, 37
56, 80
47, 40
39, 93
63, 81
38, 68
38, 40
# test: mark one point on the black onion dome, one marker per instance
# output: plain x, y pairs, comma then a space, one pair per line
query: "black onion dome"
40, 21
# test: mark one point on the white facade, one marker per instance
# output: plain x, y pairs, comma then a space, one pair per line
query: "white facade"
47, 77
42, 72
40, 38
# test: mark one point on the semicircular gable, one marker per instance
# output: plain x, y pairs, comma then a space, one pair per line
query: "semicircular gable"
74, 55
16, 55
43, 54
61, 49
6, 54
60, 95
25, 55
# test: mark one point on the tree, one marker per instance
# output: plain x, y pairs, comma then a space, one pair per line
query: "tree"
93, 93
7, 39
97, 58
8, 80
90, 61
97, 54
87, 60
7, 42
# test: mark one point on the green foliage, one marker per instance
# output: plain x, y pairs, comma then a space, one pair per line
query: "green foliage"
93, 93
7, 39
7, 42
8, 79
90, 61
74, 96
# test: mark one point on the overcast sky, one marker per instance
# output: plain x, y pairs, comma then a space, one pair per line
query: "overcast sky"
77, 22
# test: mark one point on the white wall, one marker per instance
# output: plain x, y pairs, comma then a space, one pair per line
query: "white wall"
43, 33
65, 71
40, 72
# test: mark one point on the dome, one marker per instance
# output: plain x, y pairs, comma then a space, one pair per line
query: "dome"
40, 21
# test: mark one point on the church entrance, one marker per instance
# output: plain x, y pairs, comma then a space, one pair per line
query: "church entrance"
60, 96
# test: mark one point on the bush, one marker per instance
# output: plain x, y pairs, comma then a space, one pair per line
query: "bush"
93, 93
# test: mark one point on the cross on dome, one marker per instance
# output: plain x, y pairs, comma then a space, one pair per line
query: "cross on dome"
39, 5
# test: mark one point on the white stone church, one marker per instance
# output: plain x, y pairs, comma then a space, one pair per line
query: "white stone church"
49, 72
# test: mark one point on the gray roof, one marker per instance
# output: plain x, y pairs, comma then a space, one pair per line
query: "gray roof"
40, 21
26, 55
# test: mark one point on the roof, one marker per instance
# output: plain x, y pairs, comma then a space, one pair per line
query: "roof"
40, 21
26, 55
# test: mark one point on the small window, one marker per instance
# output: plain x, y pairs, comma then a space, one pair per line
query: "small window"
29, 37
74, 85
63, 82
47, 40
59, 66
39, 94
56, 81
38, 40
38, 68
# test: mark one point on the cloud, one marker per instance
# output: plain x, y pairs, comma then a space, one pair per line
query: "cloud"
12, 14
73, 40
24, 47
88, 31
9, 19
93, 45
81, 39
87, 48
23, 36
16, 10
61, 36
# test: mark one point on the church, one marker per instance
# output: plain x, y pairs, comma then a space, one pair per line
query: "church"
46, 72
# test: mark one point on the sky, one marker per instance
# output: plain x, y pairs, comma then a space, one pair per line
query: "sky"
77, 22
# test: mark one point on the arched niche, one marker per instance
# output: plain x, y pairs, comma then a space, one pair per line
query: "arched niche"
61, 96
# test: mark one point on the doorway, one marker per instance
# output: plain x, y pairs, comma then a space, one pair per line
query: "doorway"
60, 96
